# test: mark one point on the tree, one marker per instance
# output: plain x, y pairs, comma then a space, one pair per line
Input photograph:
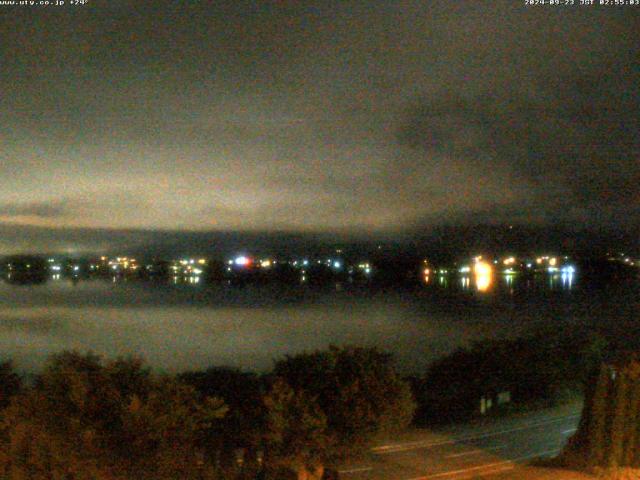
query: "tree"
632, 425
597, 428
358, 390
295, 431
84, 419
535, 367
10, 383
609, 432
241, 392
619, 415
167, 429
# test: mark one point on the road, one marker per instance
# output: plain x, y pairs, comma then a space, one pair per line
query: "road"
494, 448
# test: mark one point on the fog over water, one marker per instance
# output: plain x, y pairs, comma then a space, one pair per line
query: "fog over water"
180, 327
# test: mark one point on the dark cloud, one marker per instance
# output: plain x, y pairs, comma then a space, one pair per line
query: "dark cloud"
34, 209
572, 139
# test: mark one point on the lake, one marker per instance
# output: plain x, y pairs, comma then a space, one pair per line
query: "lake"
177, 327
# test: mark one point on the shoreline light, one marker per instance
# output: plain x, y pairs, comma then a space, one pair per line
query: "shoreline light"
242, 261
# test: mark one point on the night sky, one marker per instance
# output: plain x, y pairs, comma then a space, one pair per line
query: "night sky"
314, 117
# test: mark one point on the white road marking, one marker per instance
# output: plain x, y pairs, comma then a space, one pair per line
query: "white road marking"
473, 452
506, 465
355, 470
485, 473
465, 470
401, 447
490, 472
462, 454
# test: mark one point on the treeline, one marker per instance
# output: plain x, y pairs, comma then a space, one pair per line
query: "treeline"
87, 418
535, 369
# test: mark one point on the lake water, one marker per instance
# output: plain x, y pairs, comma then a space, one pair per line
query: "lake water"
177, 327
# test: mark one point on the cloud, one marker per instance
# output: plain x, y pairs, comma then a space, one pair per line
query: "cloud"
317, 115
42, 210
111, 208
570, 143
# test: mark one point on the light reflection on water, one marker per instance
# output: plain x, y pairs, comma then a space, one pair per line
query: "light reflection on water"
567, 280
195, 325
488, 281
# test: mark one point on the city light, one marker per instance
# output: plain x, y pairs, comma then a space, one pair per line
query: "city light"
509, 261
483, 275
124, 264
481, 267
242, 261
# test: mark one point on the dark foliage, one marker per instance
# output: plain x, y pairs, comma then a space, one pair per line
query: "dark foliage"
358, 390
10, 383
87, 419
532, 368
242, 393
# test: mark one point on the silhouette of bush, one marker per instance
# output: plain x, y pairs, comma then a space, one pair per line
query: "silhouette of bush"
86, 419
10, 383
295, 431
535, 368
243, 424
358, 390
